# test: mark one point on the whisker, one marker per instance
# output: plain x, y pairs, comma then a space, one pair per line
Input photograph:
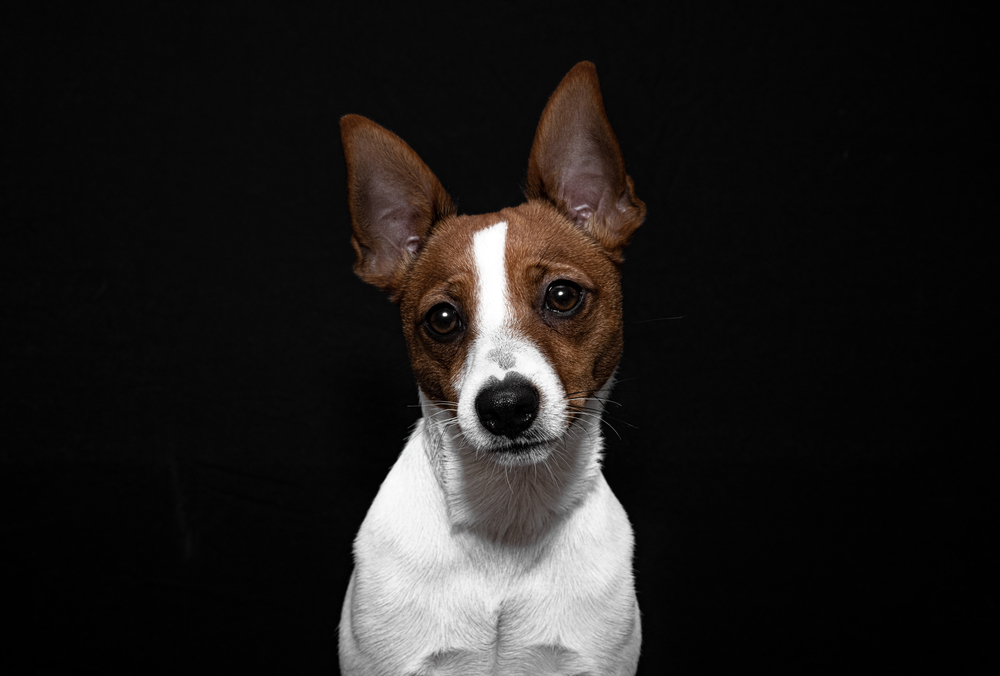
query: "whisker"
573, 394
605, 414
592, 398
443, 403
549, 469
657, 319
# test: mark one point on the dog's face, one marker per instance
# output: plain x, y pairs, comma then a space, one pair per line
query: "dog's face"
512, 319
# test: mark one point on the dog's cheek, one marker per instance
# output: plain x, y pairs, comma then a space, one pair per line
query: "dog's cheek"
607, 361
605, 338
434, 365
586, 357
591, 375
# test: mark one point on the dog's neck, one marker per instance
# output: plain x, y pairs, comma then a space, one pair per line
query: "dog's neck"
512, 505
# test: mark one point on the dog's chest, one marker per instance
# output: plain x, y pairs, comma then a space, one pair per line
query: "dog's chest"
431, 601
466, 619
503, 626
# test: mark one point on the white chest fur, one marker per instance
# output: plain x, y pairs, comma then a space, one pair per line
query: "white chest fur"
427, 597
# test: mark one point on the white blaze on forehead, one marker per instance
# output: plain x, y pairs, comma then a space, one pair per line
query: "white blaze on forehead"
488, 247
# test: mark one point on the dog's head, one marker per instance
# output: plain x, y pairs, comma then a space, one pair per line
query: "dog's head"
513, 319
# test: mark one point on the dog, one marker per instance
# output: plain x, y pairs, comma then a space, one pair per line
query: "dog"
495, 545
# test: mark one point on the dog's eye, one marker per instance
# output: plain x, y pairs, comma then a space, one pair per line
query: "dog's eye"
563, 296
442, 321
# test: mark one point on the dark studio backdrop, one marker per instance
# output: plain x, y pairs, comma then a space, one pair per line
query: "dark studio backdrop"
199, 400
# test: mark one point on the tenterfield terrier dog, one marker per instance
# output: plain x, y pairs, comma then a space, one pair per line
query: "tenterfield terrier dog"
495, 545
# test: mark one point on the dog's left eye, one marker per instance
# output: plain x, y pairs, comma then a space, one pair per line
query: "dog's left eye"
442, 321
563, 296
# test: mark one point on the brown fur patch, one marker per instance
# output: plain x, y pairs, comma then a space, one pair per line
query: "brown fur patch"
443, 273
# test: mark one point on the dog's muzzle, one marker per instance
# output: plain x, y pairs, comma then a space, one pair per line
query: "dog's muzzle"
508, 407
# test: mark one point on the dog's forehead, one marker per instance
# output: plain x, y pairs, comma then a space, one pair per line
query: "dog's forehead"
522, 237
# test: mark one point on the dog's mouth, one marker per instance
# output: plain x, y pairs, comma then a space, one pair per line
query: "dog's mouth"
521, 452
517, 447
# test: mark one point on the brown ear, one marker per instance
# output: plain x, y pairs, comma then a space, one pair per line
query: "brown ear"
576, 163
394, 201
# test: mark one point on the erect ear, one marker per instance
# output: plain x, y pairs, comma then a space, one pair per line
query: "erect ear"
576, 163
394, 201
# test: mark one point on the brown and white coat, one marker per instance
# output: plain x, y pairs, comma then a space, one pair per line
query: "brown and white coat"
495, 545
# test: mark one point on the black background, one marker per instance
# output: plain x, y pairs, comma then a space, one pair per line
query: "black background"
199, 400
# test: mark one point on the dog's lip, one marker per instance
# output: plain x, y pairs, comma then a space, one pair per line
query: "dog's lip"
520, 447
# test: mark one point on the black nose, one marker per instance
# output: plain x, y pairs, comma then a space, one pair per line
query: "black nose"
507, 407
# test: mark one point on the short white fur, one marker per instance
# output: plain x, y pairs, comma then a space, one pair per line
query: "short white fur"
489, 253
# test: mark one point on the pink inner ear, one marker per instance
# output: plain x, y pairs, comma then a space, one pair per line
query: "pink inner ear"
582, 213
583, 193
394, 219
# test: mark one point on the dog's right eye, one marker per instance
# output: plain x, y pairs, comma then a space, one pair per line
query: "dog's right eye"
563, 297
442, 321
